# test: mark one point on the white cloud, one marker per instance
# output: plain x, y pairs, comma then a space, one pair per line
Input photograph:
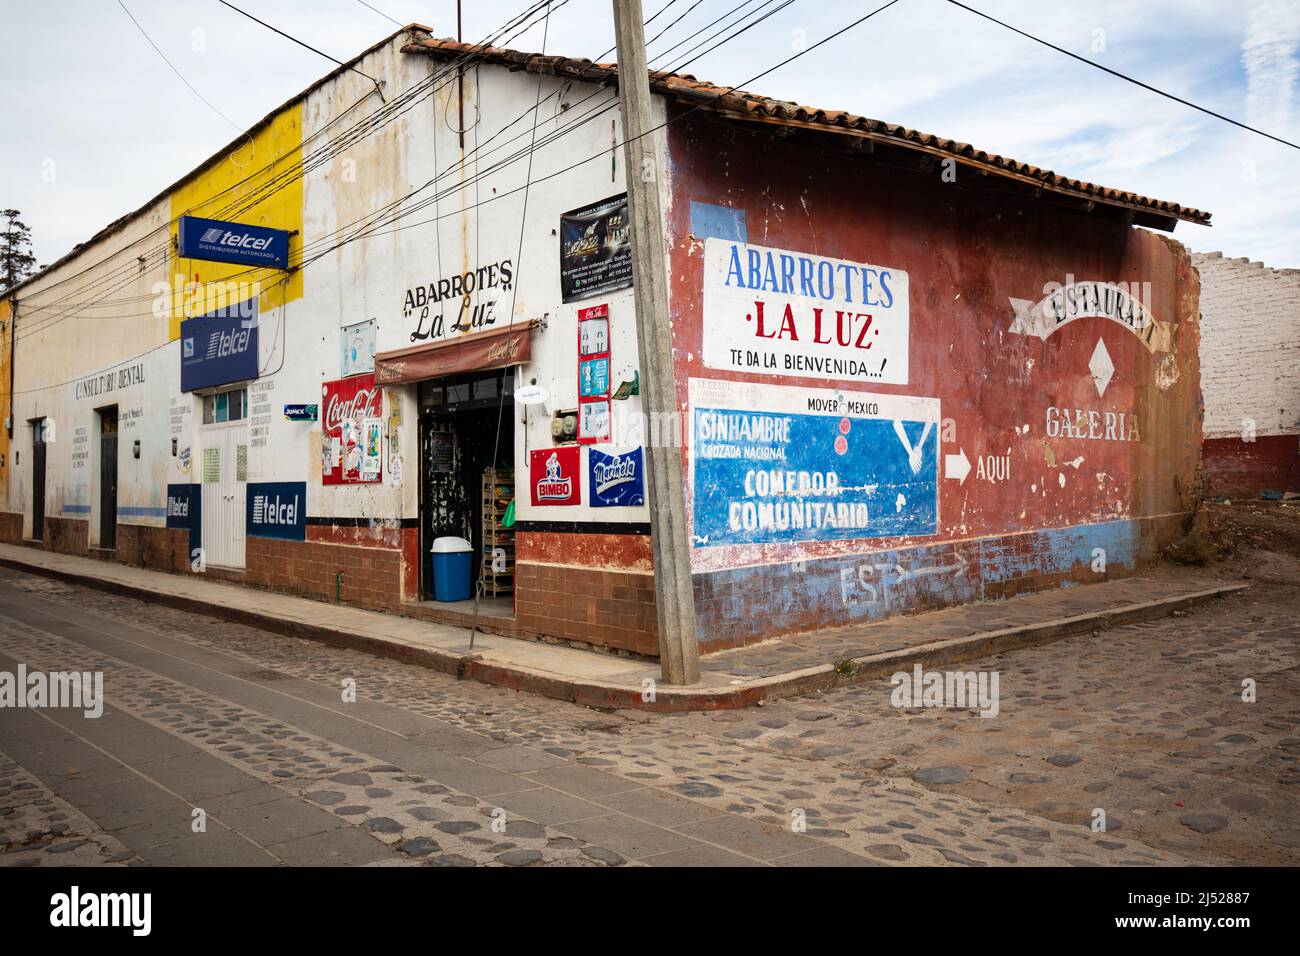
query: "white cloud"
1268, 55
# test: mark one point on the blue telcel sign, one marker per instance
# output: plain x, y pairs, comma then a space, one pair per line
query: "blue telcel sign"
180, 499
219, 347
219, 241
277, 509
810, 464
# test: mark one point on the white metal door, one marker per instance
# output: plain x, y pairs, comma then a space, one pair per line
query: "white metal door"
224, 470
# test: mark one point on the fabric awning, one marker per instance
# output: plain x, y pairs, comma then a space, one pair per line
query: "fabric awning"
477, 351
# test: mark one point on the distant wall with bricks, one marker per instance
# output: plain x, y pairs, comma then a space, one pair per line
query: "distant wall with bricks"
1250, 374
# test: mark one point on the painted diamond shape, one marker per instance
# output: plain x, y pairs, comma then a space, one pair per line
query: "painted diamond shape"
1101, 367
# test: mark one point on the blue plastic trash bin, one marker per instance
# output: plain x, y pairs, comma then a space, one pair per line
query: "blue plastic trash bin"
452, 567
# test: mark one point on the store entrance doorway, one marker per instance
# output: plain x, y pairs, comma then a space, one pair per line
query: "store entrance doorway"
107, 477
467, 431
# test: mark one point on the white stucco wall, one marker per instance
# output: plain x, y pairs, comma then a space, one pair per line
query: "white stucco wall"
68, 338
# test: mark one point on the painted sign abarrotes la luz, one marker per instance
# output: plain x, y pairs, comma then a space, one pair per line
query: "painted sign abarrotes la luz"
775, 464
235, 242
773, 312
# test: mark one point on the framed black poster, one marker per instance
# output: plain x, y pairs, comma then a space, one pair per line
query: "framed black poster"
595, 249
442, 452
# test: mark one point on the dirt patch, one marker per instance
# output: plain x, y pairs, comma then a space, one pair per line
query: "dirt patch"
1255, 540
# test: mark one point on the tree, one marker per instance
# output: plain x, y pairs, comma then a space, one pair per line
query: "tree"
16, 259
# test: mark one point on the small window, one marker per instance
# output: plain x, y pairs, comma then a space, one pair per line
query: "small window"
231, 406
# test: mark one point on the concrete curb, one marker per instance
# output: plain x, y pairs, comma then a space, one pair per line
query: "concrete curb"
609, 696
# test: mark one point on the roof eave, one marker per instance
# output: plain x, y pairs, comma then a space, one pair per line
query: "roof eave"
743, 106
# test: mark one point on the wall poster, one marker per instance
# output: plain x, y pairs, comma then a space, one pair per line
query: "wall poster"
353, 412
553, 475
595, 249
593, 374
357, 348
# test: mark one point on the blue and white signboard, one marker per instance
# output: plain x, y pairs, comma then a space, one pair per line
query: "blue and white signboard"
774, 464
301, 413
780, 312
219, 347
357, 348
179, 505
277, 509
616, 481
218, 241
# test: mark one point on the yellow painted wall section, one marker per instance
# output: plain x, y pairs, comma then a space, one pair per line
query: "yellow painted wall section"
258, 184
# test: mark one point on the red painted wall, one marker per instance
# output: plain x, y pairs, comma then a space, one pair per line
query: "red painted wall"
967, 251
1236, 467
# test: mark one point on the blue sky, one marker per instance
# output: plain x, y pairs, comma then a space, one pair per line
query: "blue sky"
96, 124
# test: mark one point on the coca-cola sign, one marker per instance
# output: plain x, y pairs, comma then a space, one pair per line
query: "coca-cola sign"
352, 407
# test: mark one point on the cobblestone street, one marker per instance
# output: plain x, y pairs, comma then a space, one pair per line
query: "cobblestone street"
1144, 722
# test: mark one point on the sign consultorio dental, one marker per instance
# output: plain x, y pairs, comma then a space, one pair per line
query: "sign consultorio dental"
218, 241
220, 347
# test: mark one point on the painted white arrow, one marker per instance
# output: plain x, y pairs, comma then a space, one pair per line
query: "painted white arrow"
956, 466
959, 566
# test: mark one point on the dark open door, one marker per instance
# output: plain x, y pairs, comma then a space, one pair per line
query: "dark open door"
38, 479
108, 478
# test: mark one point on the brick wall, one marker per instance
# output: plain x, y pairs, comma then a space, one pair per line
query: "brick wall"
595, 589
1250, 370
790, 598
11, 526
1237, 468
608, 609
1250, 346
372, 577
67, 535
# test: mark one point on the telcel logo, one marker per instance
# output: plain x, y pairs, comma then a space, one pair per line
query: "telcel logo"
224, 237
271, 510
223, 344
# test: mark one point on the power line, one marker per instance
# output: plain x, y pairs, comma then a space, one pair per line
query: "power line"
371, 219
380, 12
655, 17
514, 297
1126, 77
371, 233
178, 72
374, 220
298, 170
306, 46
322, 154
663, 125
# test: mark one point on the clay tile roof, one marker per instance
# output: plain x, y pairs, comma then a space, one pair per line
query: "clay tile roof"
748, 105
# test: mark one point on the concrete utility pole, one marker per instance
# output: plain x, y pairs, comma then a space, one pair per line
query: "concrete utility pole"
679, 649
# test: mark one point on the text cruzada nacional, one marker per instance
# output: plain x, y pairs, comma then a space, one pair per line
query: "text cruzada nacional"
776, 499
